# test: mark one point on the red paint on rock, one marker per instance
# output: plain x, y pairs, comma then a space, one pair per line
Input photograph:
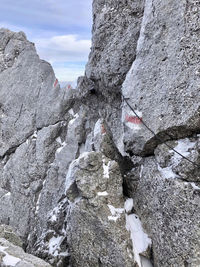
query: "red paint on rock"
103, 130
56, 82
133, 119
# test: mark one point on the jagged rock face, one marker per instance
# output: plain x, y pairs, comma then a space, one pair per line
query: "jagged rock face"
67, 158
29, 100
11, 255
33, 125
163, 82
96, 221
11, 252
89, 225
116, 28
167, 201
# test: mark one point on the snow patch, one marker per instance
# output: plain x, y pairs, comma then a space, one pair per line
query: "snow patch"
63, 144
71, 112
183, 148
76, 116
139, 238
97, 128
167, 172
9, 260
59, 140
194, 186
54, 245
103, 194
120, 145
7, 194
69, 178
128, 205
116, 213
141, 171
34, 135
106, 169
38, 200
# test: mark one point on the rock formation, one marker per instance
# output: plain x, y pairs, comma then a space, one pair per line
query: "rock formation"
106, 174
11, 253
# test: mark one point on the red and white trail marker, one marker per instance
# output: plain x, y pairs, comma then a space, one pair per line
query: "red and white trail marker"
133, 119
69, 86
55, 83
103, 129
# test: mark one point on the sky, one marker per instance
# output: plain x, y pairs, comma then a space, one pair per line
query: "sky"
60, 29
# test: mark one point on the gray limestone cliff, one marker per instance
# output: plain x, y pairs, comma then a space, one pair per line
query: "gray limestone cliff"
107, 174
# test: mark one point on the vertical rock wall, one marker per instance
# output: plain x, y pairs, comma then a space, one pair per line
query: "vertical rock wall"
82, 179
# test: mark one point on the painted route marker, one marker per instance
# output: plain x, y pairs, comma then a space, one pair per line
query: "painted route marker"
103, 130
55, 83
132, 121
69, 86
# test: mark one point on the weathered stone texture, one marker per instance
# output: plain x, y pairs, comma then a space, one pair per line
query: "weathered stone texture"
163, 82
116, 28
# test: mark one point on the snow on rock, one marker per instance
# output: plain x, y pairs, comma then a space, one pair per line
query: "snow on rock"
167, 172
106, 169
69, 178
97, 128
183, 147
8, 260
76, 116
54, 245
128, 205
116, 213
139, 238
102, 194
39, 197
194, 186
7, 194
98, 133
63, 144
34, 135
71, 112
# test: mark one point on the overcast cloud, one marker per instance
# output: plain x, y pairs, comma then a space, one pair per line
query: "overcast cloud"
61, 30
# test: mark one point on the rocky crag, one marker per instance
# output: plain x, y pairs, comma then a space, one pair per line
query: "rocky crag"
107, 174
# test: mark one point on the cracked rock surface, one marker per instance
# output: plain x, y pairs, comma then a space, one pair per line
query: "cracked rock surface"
83, 182
163, 82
